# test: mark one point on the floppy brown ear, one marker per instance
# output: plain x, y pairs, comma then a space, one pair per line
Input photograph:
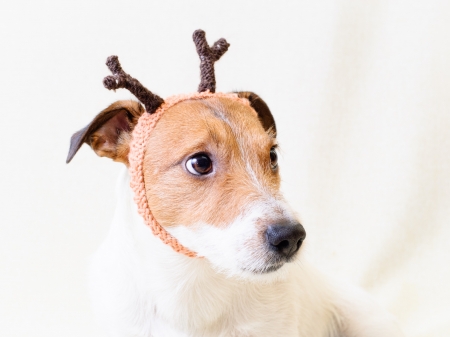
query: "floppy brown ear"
109, 132
264, 114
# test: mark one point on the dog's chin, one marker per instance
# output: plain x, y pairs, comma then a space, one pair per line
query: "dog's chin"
275, 269
267, 274
264, 270
272, 264
255, 266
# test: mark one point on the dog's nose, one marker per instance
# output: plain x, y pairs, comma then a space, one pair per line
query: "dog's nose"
285, 239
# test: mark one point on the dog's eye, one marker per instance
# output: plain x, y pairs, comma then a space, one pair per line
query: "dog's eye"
199, 164
273, 158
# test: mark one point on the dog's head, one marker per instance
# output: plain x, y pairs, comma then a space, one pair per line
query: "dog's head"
211, 178
207, 168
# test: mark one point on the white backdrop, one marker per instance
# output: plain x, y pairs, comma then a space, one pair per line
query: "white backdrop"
361, 94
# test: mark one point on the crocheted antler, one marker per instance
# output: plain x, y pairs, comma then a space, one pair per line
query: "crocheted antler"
120, 79
208, 55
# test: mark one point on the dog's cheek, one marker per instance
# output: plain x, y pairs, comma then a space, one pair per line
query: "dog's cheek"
224, 247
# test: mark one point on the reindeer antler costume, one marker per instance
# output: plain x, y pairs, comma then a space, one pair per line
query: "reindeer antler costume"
121, 79
208, 55
155, 106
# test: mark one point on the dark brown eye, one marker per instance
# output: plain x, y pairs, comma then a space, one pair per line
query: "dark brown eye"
273, 158
199, 164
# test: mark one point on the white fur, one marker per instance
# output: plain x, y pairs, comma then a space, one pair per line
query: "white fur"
141, 287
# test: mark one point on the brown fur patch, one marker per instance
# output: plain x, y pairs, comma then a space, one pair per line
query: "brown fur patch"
231, 134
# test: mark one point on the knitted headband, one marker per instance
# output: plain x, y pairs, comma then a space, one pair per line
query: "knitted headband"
155, 107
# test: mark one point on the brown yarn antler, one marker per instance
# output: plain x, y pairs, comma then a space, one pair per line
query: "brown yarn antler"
208, 55
120, 79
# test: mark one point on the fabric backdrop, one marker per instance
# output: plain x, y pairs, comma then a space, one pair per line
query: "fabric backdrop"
359, 89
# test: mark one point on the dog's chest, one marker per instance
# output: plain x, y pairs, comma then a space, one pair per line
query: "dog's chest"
244, 316
209, 306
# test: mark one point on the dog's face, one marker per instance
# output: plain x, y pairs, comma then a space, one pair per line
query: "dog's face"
212, 180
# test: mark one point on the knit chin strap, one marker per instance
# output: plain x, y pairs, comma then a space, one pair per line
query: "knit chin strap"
141, 133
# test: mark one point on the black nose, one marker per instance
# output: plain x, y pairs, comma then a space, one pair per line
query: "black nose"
285, 239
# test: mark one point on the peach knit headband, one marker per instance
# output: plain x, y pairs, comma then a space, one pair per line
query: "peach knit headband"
155, 107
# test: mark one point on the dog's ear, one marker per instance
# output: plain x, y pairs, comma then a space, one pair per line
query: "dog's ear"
264, 114
109, 133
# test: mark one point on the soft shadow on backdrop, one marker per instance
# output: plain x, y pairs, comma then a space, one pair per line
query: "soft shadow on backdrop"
361, 94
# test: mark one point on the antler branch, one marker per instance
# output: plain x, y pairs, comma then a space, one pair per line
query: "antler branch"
208, 55
120, 79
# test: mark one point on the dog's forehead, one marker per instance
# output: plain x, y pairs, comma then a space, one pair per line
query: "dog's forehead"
212, 119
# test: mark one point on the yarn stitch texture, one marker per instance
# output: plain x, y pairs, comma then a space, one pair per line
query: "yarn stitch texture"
208, 56
140, 135
120, 79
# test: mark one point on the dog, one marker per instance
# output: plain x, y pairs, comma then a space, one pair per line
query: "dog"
223, 255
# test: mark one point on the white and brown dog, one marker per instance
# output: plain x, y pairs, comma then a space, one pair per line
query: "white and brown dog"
212, 183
